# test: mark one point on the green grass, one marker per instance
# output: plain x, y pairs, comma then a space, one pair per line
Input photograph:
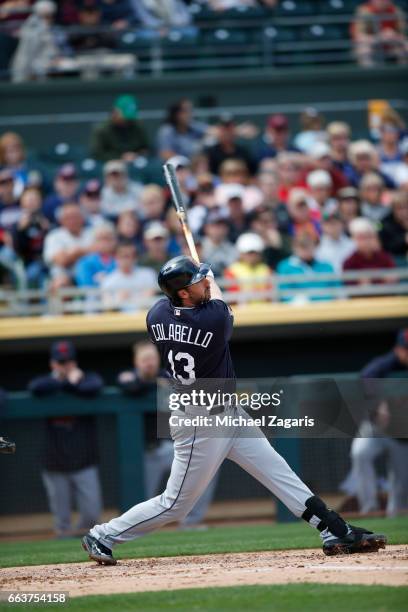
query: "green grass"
216, 540
271, 598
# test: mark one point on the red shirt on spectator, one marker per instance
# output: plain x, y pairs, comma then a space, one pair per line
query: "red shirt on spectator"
377, 261
388, 18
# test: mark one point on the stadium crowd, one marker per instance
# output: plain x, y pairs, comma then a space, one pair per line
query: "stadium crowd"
261, 205
89, 36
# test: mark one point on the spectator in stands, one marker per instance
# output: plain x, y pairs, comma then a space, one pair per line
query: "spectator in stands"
14, 10
91, 269
13, 157
312, 132
166, 13
268, 185
156, 243
152, 203
304, 262
29, 236
394, 231
302, 221
91, 35
371, 194
6, 446
392, 128
339, 134
289, 174
400, 173
90, 203
262, 221
233, 171
334, 246
10, 210
186, 178
11, 272
364, 158
41, 44
348, 205
320, 185
180, 134
123, 135
70, 460
127, 286
66, 189
216, 248
249, 274
204, 200
64, 245
368, 254
234, 176
227, 146
118, 14
119, 193
233, 201
159, 454
320, 155
276, 138
129, 229
378, 32
373, 441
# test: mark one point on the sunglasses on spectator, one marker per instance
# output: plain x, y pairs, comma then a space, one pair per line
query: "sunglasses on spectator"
5, 181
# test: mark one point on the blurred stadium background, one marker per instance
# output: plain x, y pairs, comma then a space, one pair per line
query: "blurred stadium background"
307, 99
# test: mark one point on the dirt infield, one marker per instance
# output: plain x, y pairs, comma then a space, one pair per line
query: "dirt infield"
387, 567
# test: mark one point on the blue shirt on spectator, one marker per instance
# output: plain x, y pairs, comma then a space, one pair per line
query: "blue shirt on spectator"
90, 269
294, 265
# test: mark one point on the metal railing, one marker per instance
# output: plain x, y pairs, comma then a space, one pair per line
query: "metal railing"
297, 288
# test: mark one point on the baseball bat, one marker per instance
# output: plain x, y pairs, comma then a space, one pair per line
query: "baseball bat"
176, 196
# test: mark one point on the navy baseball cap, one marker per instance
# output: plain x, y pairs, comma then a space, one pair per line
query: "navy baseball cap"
63, 350
402, 338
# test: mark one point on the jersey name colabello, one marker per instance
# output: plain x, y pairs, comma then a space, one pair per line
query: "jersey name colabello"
181, 333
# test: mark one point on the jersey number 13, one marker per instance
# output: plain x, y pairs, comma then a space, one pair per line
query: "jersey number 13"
182, 362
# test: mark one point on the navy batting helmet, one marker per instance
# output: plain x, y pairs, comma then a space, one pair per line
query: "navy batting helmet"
178, 273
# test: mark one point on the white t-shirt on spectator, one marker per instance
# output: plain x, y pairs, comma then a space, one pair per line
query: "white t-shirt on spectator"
126, 291
60, 239
335, 252
113, 203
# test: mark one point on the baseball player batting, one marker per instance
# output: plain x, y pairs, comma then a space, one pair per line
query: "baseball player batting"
195, 302
195, 306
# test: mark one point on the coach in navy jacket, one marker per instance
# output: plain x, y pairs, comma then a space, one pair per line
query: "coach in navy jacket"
71, 450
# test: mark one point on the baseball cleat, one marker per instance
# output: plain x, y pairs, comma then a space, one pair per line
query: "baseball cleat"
358, 540
97, 551
7, 446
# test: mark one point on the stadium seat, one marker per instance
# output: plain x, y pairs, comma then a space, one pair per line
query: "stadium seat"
243, 13
181, 37
222, 36
318, 32
280, 34
147, 170
337, 7
90, 168
63, 153
295, 8
136, 40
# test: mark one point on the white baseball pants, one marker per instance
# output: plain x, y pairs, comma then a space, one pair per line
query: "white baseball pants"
197, 457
